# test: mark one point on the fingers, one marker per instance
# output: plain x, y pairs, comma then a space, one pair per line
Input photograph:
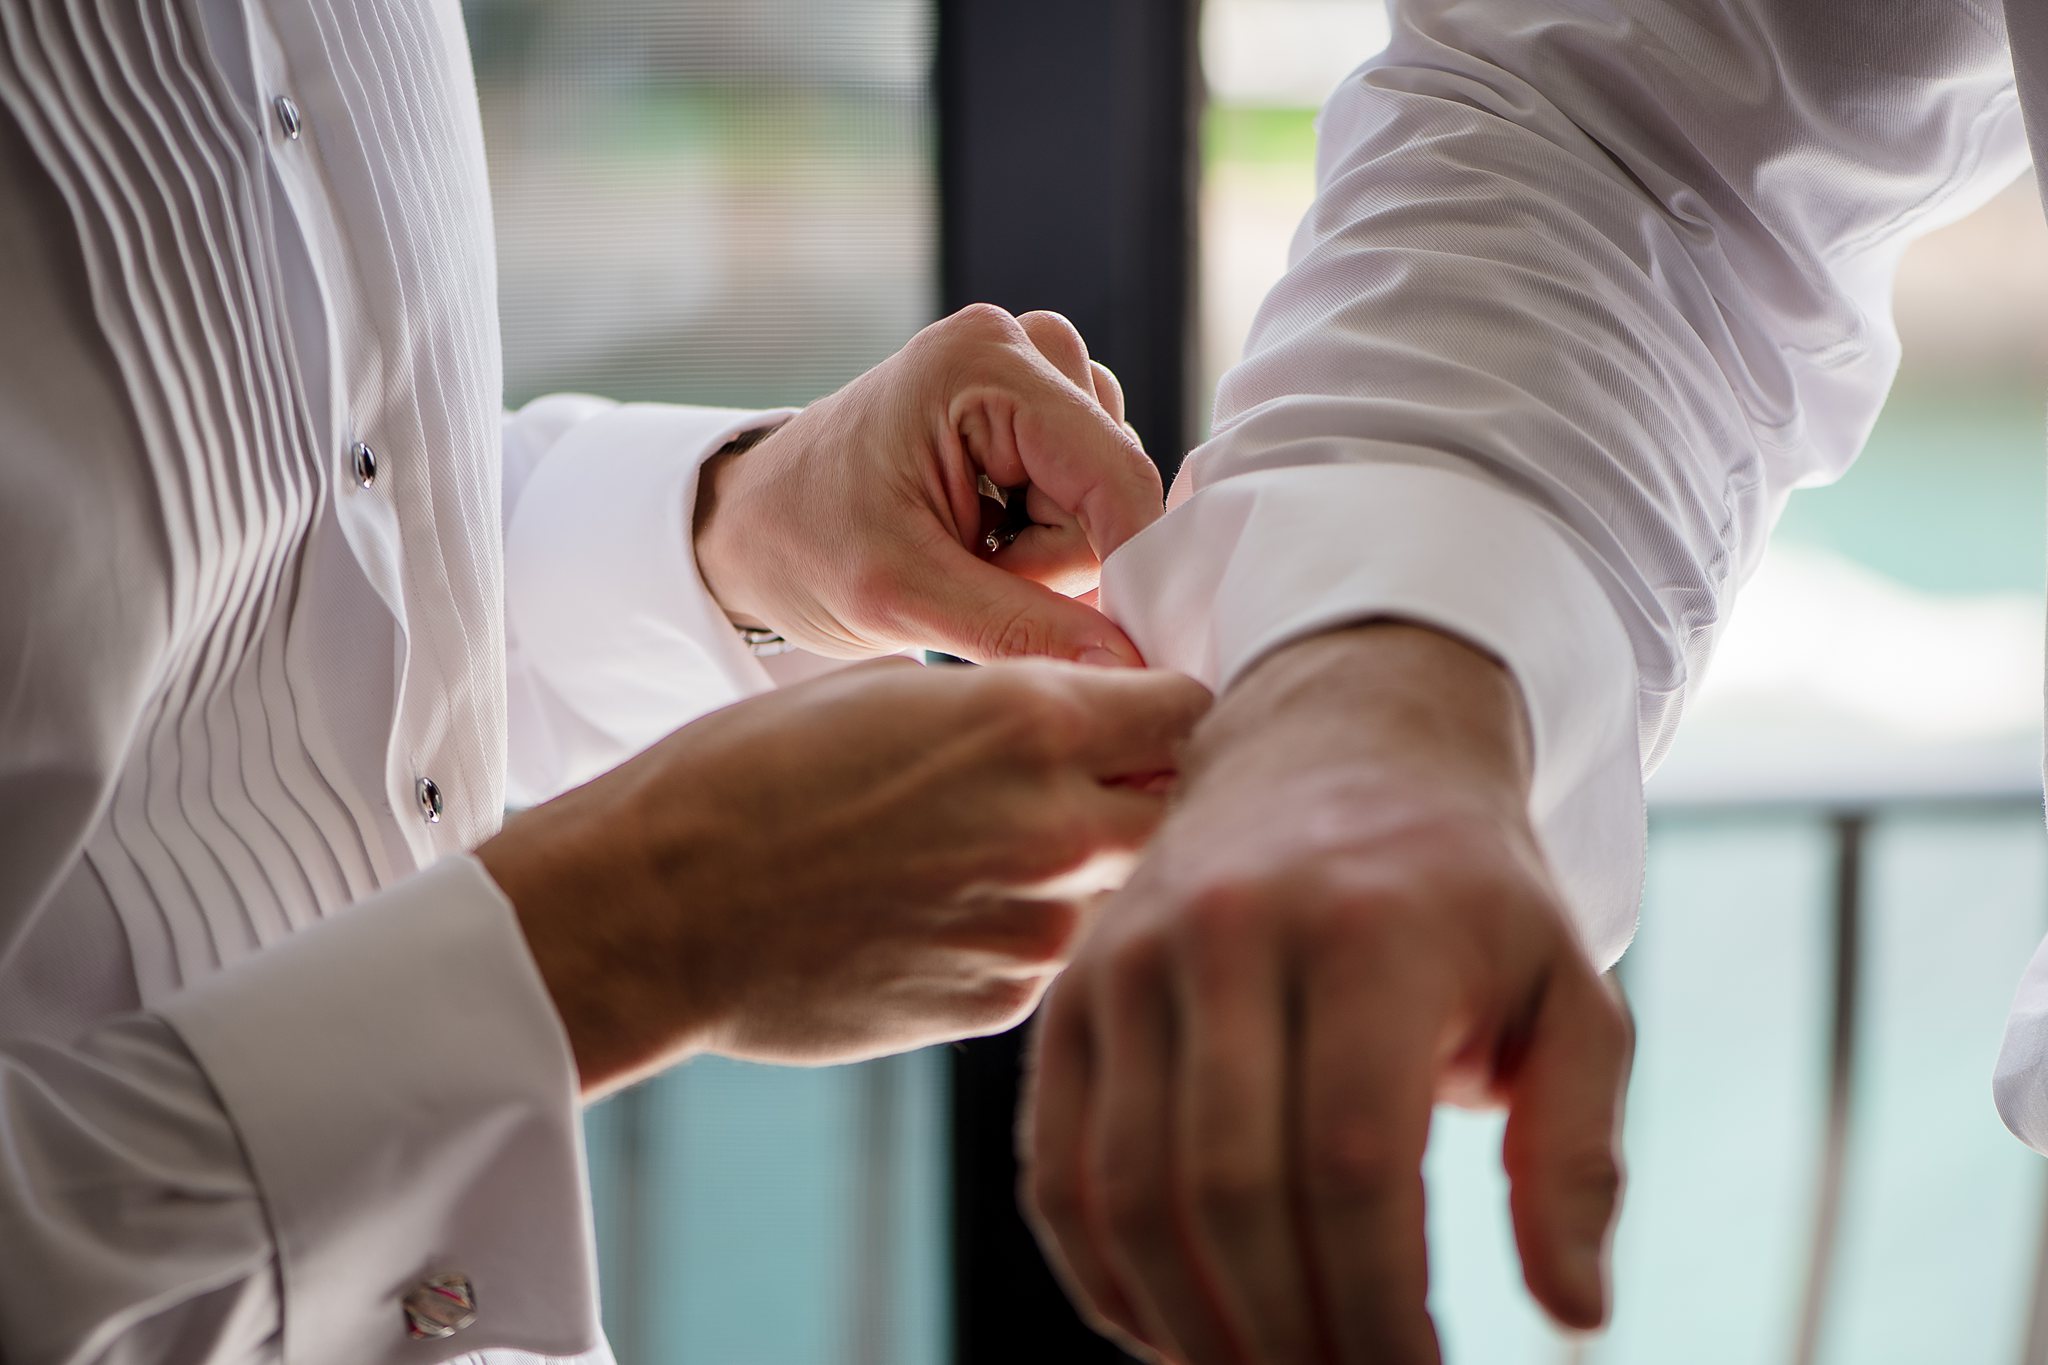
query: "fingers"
1057, 555
1561, 1148
1056, 549
1083, 838
1052, 1137
1231, 1152
970, 608
1087, 462
1052, 550
1141, 1233
1109, 391
1060, 342
1058, 432
1133, 723
1368, 1066
1032, 936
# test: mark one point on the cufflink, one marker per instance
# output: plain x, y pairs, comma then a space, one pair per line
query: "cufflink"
763, 642
439, 1306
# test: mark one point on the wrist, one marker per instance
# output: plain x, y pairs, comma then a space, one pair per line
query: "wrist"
1387, 697
725, 542
581, 883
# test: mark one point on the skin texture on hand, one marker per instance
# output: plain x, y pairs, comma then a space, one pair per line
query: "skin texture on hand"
1344, 922
876, 860
857, 528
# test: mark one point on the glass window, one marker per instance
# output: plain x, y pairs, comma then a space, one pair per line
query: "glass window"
719, 201
732, 202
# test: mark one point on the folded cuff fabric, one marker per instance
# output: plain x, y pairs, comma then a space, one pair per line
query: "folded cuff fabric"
613, 639
408, 1104
1261, 559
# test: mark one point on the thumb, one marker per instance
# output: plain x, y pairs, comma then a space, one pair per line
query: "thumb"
1561, 1149
972, 609
1063, 444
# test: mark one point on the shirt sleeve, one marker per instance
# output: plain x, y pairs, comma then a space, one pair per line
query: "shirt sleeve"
1586, 291
612, 639
264, 1167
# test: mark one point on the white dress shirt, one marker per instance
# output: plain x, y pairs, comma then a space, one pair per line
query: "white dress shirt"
1589, 286
281, 582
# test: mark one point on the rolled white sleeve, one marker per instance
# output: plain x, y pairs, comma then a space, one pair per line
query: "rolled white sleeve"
1586, 291
612, 638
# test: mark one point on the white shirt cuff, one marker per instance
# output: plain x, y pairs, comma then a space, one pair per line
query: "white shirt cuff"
2019, 1085
407, 1101
1261, 559
603, 599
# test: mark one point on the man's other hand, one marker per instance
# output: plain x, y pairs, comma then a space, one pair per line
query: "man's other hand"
876, 860
1346, 921
859, 527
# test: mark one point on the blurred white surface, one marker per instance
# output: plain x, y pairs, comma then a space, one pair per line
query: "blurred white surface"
1834, 683
1286, 52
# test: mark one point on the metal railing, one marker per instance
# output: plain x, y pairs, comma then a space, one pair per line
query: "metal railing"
1849, 818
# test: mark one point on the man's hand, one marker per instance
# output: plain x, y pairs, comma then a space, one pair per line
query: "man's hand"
883, 858
858, 528
1346, 921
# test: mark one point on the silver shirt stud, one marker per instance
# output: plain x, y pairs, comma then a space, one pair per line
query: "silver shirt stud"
365, 461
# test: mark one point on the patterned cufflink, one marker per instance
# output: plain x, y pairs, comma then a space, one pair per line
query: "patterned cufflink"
439, 1306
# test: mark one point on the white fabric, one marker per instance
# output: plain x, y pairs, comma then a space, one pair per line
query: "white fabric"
271, 1050
1588, 288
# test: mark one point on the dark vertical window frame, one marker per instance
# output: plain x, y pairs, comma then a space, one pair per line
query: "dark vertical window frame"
1068, 170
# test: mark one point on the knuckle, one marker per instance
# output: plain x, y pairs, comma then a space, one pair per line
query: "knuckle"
1224, 910
995, 1005
1353, 1162
1134, 1205
1143, 472
1377, 925
1057, 338
980, 320
1136, 967
1613, 1024
1106, 382
1227, 1193
1594, 1175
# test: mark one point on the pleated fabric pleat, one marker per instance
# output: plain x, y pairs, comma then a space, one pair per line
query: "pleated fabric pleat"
261, 319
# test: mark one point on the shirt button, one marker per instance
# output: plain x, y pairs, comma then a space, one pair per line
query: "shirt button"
365, 461
439, 1307
288, 117
429, 793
